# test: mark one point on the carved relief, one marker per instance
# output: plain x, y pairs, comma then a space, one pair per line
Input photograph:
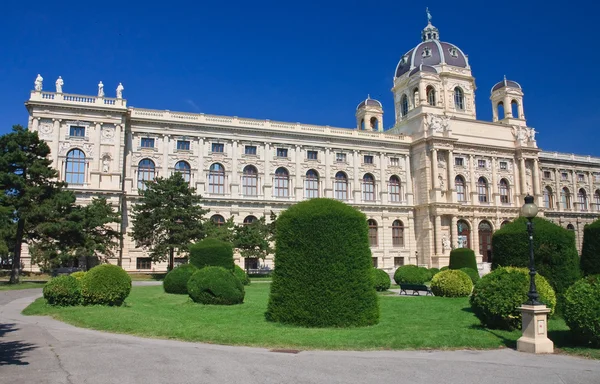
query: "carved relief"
46, 128
441, 159
108, 134
63, 147
137, 157
88, 148
437, 123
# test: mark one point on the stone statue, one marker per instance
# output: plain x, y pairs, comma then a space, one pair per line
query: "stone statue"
105, 164
532, 133
445, 243
428, 15
38, 82
120, 89
441, 179
59, 84
437, 123
100, 89
520, 134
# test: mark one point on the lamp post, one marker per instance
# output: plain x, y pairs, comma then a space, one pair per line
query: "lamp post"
529, 210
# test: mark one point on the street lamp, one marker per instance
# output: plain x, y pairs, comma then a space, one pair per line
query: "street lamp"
529, 210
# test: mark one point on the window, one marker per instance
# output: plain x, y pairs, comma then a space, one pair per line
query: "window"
597, 177
580, 177
564, 176
312, 155
394, 161
218, 220
459, 99
143, 263
250, 150
218, 147
394, 189
146, 172
582, 198
282, 182
504, 192
147, 142
341, 186
431, 95
368, 159
397, 234
183, 145
426, 51
368, 187
398, 262
249, 220
250, 181
372, 233
459, 161
565, 198
453, 51
548, 198
282, 152
374, 124
311, 184
340, 157
481, 163
362, 124
76, 131
459, 182
404, 105
184, 168
597, 200
570, 227
503, 165
547, 175
216, 179
374, 262
75, 167
482, 190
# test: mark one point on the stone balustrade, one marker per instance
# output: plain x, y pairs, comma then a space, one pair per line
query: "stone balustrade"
72, 99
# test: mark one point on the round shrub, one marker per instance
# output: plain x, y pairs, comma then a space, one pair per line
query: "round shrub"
241, 274
176, 280
444, 268
462, 258
451, 283
322, 275
590, 251
425, 270
105, 284
381, 280
433, 271
78, 275
497, 295
62, 291
472, 273
212, 252
215, 285
582, 310
411, 274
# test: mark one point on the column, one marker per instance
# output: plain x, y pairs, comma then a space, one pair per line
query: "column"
298, 195
165, 148
523, 175
409, 185
116, 165
383, 196
473, 188
98, 149
517, 184
267, 183
574, 191
507, 107
521, 110
438, 235
434, 169
451, 189
57, 165
536, 182
494, 198
557, 191
453, 231
235, 179
475, 238
326, 178
422, 94
356, 187
590, 198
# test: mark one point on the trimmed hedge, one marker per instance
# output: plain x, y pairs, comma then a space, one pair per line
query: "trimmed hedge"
497, 295
462, 258
241, 274
411, 274
176, 280
433, 271
582, 310
451, 283
444, 268
215, 285
554, 247
322, 275
78, 275
105, 284
212, 252
590, 252
472, 273
381, 280
62, 291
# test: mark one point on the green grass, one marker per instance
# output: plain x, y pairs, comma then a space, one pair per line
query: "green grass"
5, 286
159, 276
406, 323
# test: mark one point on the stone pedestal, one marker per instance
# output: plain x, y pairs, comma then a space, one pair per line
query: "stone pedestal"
535, 330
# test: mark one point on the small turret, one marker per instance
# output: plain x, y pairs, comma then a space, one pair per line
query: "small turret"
369, 115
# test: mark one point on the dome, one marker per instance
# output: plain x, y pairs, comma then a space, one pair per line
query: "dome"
423, 68
506, 83
370, 103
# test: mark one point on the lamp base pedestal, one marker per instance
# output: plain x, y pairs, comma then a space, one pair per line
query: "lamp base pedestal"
535, 330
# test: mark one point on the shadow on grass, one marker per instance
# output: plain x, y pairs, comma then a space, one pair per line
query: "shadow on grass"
12, 352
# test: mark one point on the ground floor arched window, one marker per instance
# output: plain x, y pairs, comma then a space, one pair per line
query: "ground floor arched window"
464, 234
485, 241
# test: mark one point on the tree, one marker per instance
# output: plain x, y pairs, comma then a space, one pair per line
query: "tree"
167, 217
98, 222
254, 240
224, 232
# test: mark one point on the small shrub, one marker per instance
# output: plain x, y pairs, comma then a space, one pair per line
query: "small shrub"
411, 274
241, 274
62, 291
451, 283
381, 280
215, 285
462, 258
78, 275
212, 252
497, 295
472, 273
433, 271
444, 268
425, 270
176, 280
105, 284
582, 310
590, 251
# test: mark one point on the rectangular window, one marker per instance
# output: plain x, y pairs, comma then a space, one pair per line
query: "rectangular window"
143, 263
147, 142
580, 177
311, 155
368, 159
394, 161
398, 261
183, 145
76, 131
218, 147
480, 163
459, 161
250, 150
340, 157
564, 176
547, 175
503, 165
180, 261
597, 177
282, 152
374, 259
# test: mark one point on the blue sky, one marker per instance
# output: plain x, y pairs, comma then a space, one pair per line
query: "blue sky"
311, 62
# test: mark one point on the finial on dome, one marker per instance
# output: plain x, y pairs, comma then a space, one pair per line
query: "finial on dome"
428, 15
368, 96
429, 32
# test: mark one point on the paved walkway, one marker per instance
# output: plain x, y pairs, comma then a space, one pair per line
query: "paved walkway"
41, 350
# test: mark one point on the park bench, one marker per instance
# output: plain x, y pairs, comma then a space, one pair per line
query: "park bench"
415, 288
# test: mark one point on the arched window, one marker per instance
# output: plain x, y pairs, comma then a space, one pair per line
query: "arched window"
146, 172
341, 186
362, 124
368, 187
249, 220
459, 99
218, 220
504, 223
582, 198
485, 241
501, 111
430, 95
482, 190
415, 99
514, 107
565, 198
184, 168
570, 227
282, 182
374, 124
464, 234
548, 199
250, 181
404, 105
398, 233
311, 184
504, 192
394, 189
597, 200
372, 233
75, 167
459, 182
216, 179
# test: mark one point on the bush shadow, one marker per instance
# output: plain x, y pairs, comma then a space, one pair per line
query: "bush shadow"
13, 352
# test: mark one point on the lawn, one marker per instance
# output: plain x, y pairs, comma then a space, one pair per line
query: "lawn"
406, 323
5, 286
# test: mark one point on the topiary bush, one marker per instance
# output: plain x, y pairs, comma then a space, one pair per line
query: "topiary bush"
444, 268
472, 273
176, 280
105, 284
381, 280
411, 274
582, 310
322, 275
590, 251
215, 285
462, 258
78, 275
241, 274
62, 291
451, 283
433, 271
212, 252
425, 270
497, 295
555, 252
